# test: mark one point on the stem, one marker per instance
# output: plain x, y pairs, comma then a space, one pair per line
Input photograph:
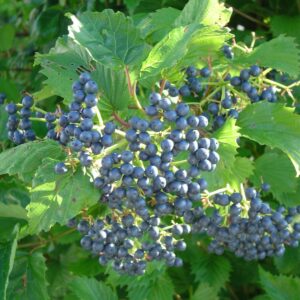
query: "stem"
275, 83
249, 17
132, 89
38, 119
120, 120
240, 47
39, 110
43, 243
135, 98
129, 85
216, 192
121, 133
99, 117
179, 162
162, 86
120, 144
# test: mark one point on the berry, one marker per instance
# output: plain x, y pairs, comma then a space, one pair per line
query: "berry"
60, 168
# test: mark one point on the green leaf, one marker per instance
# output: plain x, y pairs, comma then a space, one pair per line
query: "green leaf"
7, 35
59, 278
288, 25
167, 53
157, 24
48, 24
3, 121
58, 198
207, 42
90, 288
60, 66
11, 89
207, 12
109, 37
85, 267
12, 211
274, 125
179, 48
289, 263
280, 287
28, 278
276, 169
112, 85
205, 291
155, 284
209, 268
131, 5
14, 197
285, 55
24, 160
231, 170
7, 256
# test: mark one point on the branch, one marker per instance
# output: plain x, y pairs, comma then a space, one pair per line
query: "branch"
252, 19
120, 120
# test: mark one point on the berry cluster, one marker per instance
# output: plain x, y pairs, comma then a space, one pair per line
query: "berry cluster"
226, 95
145, 183
251, 229
150, 172
19, 124
76, 128
130, 243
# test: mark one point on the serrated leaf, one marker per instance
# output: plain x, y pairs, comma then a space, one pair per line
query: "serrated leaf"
12, 211
207, 42
60, 66
24, 160
285, 55
207, 12
182, 46
58, 198
288, 25
90, 288
212, 269
113, 86
155, 284
166, 53
28, 278
85, 267
6, 227
280, 287
276, 169
59, 279
205, 291
13, 191
157, 24
231, 170
7, 256
274, 125
131, 5
289, 263
109, 37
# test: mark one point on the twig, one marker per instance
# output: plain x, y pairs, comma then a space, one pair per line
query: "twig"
120, 120
162, 86
42, 243
129, 85
237, 11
